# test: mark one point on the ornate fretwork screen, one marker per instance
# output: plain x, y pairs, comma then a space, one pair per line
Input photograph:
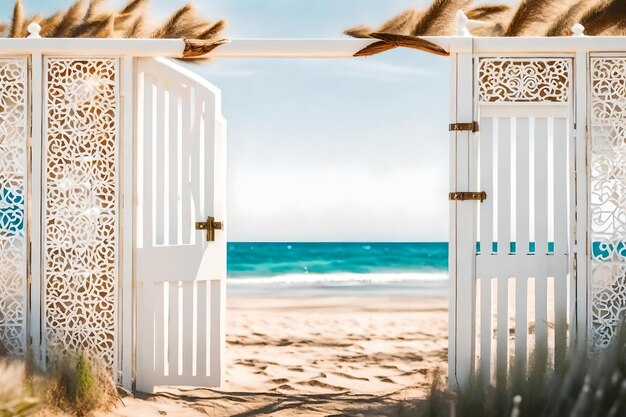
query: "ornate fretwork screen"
522, 158
81, 206
607, 192
13, 171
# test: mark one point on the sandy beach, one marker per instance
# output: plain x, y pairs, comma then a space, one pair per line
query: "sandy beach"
317, 356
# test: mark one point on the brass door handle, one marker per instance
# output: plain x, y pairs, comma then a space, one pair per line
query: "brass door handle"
210, 226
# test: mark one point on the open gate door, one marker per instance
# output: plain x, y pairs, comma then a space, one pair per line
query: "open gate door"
180, 254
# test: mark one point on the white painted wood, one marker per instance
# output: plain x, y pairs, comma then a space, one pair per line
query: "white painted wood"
486, 329
540, 110
521, 323
504, 185
522, 149
486, 185
452, 231
580, 236
466, 172
502, 363
127, 293
36, 226
561, 235
504, 265
179, 272
541, 232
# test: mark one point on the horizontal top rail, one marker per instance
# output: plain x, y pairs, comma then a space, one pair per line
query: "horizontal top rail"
304, 48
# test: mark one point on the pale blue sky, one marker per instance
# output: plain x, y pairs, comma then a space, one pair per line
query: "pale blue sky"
327, 150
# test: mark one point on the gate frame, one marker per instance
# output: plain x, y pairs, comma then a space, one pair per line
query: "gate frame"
462, 50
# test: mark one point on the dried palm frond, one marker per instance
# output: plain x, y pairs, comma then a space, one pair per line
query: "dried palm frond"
129, 14
135, 30
175, 25
49, 24
85, 19
530, 17
401, 24
92, 9
494, 19
439, 18
564, 23
213, 30
604, 17
488, 11
411, 42
17, 21
361, 31
375, 48
72, 17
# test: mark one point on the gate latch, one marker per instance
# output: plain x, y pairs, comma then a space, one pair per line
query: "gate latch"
463, 196
210, 226
464, 127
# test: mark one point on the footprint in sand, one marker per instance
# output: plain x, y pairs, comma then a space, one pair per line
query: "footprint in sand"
318, 384
341, 374
386, 379
295, 369
280, 381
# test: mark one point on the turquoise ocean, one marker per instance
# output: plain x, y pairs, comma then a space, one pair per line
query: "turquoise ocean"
342, 269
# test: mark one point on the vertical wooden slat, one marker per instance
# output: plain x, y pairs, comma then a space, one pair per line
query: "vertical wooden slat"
157, 292
186, 219
503, 329
560, 236
202, 312
522, 177
582, 243
159, 173
504, 186
188, 329
196, 158
486, 184
147, 160
217, 329
173, 328
486, 329
521, 323
173, 164
541, 233
208, 148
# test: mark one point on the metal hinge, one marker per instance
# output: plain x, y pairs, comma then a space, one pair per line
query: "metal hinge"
463, 196
464, 127
210, 226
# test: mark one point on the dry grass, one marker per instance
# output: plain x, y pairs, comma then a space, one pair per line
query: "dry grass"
92, 19
16, 393
78, 386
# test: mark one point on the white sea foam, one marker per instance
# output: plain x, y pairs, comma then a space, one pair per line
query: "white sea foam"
344, 278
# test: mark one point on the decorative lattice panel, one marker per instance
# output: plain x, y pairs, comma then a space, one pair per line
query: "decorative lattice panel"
522, 80
13, 168
81, 206
608, 196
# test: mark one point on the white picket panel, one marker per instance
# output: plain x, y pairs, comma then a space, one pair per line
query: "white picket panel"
522, 264
181, 276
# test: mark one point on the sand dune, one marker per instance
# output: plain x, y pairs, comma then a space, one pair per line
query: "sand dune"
317, 356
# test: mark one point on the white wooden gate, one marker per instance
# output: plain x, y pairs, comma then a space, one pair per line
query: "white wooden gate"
511, 265
180, 181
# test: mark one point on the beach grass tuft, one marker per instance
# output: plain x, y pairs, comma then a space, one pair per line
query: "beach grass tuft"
584, 385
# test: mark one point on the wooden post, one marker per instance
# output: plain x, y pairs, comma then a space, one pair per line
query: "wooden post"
463, 177
36, 300
581, 245
127, 293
